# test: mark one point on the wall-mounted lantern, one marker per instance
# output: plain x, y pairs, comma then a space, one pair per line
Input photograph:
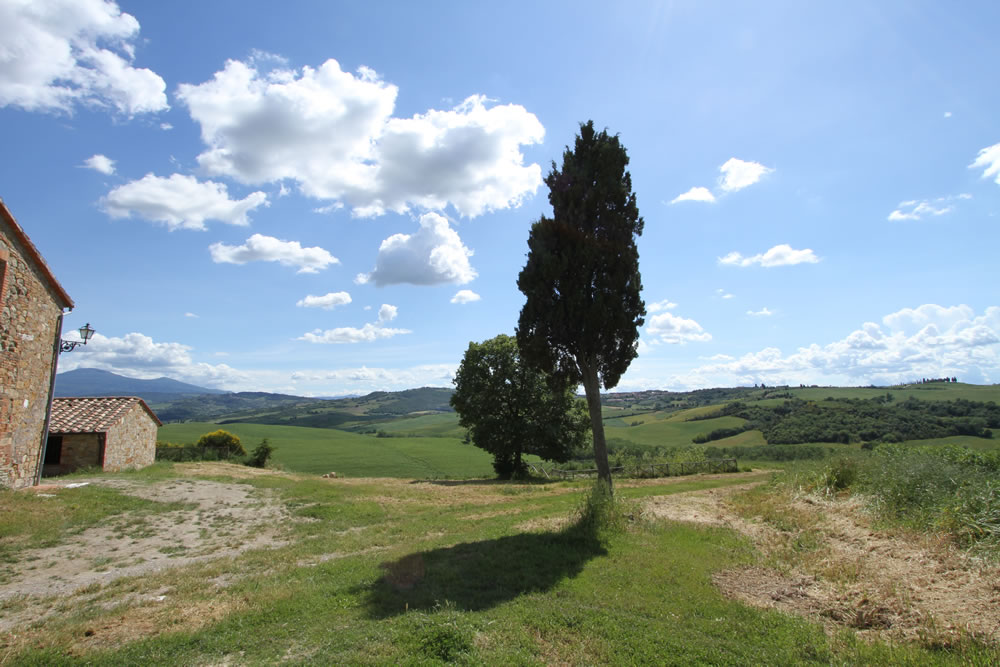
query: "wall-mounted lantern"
86, 333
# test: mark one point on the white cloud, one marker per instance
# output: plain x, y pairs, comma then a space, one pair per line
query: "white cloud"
947, 114
695, 194
387, 313
779, 255
138, 355
101, 163
989, 161
912, 320
366, 334
465, 296
928, 341
60, 53
670, 328
333, 132
181, 202
191, 315
166, 126
738, 174
657, 306
326, 302
431, 256
915, 210
763, 312
260, 248
723, 294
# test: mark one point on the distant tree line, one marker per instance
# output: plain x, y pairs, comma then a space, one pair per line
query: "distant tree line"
860, 420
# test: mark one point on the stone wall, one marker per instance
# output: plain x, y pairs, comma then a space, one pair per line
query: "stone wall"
29, 318
131, 443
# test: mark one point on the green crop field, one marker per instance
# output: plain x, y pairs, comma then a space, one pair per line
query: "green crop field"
744, 439
685, 415
933, 391
319, 450
438, 425
669, 433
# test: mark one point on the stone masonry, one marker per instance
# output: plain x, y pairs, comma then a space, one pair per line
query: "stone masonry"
132, 442
114, 432
31, 307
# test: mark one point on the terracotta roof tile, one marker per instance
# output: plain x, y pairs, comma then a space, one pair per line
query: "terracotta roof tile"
92, 414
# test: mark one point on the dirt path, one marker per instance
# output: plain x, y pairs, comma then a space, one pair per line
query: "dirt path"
900, 587
222, 519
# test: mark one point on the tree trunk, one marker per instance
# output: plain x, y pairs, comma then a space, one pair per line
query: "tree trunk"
592, 388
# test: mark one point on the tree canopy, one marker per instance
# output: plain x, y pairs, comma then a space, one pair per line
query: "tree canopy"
512, 409
223, 440
581, 280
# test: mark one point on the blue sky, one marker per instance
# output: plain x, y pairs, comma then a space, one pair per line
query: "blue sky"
331, 198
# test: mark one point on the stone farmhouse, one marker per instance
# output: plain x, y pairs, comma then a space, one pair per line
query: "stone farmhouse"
31, 310
112, 432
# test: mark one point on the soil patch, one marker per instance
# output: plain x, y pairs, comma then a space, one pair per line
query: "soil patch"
221, 520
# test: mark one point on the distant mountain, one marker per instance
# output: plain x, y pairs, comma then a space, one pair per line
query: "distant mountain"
242, 406
94, 382
176, 401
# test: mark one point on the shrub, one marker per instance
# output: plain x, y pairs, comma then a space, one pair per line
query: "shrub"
601, 514
223, 440
841, 475
261, 453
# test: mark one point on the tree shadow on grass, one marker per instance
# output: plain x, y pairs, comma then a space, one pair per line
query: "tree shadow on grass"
479, 575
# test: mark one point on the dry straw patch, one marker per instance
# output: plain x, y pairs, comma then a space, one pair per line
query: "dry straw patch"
828, 563
543, 524
489, 515
152, 620
221, 469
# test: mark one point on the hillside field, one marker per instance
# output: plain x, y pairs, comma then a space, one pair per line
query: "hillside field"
322, 450
420, 447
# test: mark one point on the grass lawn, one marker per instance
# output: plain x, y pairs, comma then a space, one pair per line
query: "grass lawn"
392, 572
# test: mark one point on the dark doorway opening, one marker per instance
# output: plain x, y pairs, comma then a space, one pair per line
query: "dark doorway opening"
53, 450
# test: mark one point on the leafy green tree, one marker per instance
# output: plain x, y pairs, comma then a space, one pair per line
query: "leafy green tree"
581, 317
223, 440
512, 409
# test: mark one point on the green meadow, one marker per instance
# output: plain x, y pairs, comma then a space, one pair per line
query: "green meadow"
426, 446
321, 450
